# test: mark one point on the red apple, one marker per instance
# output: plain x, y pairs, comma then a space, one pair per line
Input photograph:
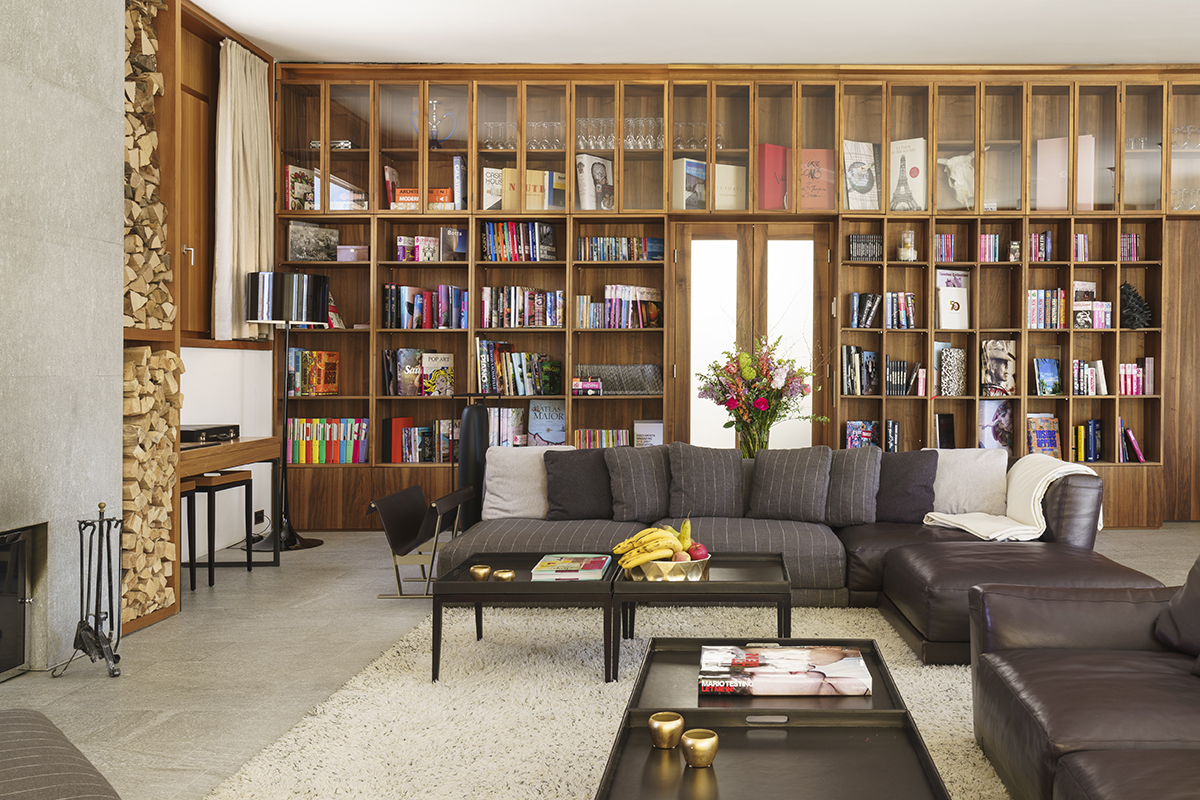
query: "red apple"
697, 551
682, 555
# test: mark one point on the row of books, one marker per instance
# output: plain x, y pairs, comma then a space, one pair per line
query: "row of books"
413, 307
500, 370
619, 248
511, 240
899, 380
311, 372
1128, 445
860, 371
521, 307
624, 306
449, 245
545, 190
1088, 378
590, 438
405, 198
1046, 308
899, 309
943, 247
1131, 247
1041, 246
1088, 444
1136, 377
989, 247
866, 246
862, 433
407, 443
864, 308
327, 440
412, 372
1079, 249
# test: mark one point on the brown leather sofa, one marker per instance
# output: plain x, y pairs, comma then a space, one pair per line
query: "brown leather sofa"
1075, 698
919, 575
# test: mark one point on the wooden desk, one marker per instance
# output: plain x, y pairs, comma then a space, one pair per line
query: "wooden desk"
196, 459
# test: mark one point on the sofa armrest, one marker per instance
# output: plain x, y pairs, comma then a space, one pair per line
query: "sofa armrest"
1008, 617
1072, 508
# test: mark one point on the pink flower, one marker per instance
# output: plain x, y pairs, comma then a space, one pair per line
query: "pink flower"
761, 404
731, 403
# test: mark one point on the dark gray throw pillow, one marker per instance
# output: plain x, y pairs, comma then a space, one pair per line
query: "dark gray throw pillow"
705, 481
577, 485
853, 484
641, 482
1178, 625
791, 484
906, 486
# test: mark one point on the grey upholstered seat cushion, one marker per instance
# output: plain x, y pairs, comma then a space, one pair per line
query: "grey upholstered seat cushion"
705, 481
517, 535
38, 762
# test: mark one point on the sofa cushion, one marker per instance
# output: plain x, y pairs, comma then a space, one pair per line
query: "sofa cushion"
1031, 707
514, 535
1179, 623
971, 480
577, 485
867, 545
38, 762
791, 484
705, 481
1127, 775
813, 555
853, 484
641, 482
514, 483
906, 486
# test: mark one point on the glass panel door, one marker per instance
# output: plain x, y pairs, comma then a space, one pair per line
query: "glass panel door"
399, 150
447, 135
546, 143
689, 150
642, 140
773, 157
1003, 135
349, 146
1050, 151
908, 149
1143, 157
300, 146
956, 128
498, 142
818, 147
1185, 147
595, 147
1096, 149
729, 142
862, 143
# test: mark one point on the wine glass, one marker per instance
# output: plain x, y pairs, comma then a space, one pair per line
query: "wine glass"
557, 142
510, 137
659, 134
531, 136
610, 141
581, 142
692, 143
489, 136
630, 142
679, 143
721, 135
703, 141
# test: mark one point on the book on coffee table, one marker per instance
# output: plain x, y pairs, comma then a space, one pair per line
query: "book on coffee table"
783, 670
570, 567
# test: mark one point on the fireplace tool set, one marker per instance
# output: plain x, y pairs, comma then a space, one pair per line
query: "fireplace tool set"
99, 631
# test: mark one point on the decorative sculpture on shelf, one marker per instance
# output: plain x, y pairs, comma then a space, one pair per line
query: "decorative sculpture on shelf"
960, 173
1135, 311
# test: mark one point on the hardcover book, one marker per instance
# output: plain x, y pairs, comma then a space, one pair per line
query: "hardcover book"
945, 431
1051, 183
729, 188
453, 244
547, 423
408, 371
1049, 380
493, 189
998, 368
862, 176
818, 170
556, 191
783, 670
908, 187
570, 567
596, 183
647, 432
437, 374
688, 184
1042, 435
953, 372
774, 177
954, 308
535, 190
996, 424
301, 189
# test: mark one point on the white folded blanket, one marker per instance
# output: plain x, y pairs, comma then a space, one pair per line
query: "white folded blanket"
1027, 483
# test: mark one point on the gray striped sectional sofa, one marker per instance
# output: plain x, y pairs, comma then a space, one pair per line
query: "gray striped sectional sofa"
37, 762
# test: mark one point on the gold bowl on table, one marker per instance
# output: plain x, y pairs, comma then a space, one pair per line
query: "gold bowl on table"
669, 571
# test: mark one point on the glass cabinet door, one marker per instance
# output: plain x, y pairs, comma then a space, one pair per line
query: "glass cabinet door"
818, 147
862, 146
300, 146
1050, 147
729, 142
349, 146
1003, 136
1141, 187
954, 170
546, 145
689, 146
595, 147
643, 138
447, 135
498, 139
774, 161
907, 162
1185, 147
400, 146
1096, 149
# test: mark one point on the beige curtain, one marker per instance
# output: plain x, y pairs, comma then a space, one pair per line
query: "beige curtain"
244, 181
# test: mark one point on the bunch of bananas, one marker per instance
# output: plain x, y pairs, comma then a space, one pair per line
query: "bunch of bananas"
650, 544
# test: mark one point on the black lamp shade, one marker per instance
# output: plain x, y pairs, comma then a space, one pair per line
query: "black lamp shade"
287, 297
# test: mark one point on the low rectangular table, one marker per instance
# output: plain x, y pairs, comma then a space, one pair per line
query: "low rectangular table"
458, 587
774, 746
751, 578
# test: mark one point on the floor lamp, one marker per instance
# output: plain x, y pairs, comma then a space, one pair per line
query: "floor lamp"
287, 299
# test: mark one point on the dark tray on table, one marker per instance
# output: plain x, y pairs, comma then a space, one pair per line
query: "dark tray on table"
775, 746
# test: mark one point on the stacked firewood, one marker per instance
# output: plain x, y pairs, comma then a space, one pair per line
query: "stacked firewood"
148, 301
151, 407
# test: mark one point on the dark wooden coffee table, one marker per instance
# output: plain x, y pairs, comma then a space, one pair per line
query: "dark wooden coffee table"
458, 587
750, 578
827, 746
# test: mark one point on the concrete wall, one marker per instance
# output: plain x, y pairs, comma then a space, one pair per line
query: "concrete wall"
61, 209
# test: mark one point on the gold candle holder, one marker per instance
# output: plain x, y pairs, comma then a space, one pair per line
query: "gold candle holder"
699, 746
666, 728
481, 572
503, 575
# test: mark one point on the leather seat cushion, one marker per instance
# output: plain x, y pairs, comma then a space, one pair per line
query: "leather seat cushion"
1032, 707
867, 544
928, 583
1128, 775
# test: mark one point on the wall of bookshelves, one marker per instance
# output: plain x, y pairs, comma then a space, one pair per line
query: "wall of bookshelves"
1071, 168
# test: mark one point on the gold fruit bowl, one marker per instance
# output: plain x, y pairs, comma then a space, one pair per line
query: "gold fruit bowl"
669, 571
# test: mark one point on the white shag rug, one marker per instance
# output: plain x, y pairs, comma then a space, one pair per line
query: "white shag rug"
506, 717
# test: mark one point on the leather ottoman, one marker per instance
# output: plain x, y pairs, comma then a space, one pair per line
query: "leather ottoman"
925, 585
1128, 775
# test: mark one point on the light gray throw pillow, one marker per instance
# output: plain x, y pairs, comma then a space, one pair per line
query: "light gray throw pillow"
791, 484
705, 481
641, 482
514, 482
971, 480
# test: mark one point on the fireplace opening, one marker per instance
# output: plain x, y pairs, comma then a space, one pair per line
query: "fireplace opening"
14, 602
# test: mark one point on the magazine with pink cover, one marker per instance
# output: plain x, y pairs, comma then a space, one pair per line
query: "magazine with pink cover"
783, 670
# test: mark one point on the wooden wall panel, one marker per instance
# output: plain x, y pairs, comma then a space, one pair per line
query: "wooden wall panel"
1137, 501
1181, 443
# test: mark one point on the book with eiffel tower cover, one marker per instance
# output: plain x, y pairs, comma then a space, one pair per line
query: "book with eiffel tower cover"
908, 187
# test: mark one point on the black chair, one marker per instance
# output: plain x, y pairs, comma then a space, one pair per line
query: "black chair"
410, 522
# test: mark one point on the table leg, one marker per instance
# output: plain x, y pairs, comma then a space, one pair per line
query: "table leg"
249, 526
616, 639
191, 526
785, 619
478, 621
609, 662
630, 613
212, 535
437, 637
